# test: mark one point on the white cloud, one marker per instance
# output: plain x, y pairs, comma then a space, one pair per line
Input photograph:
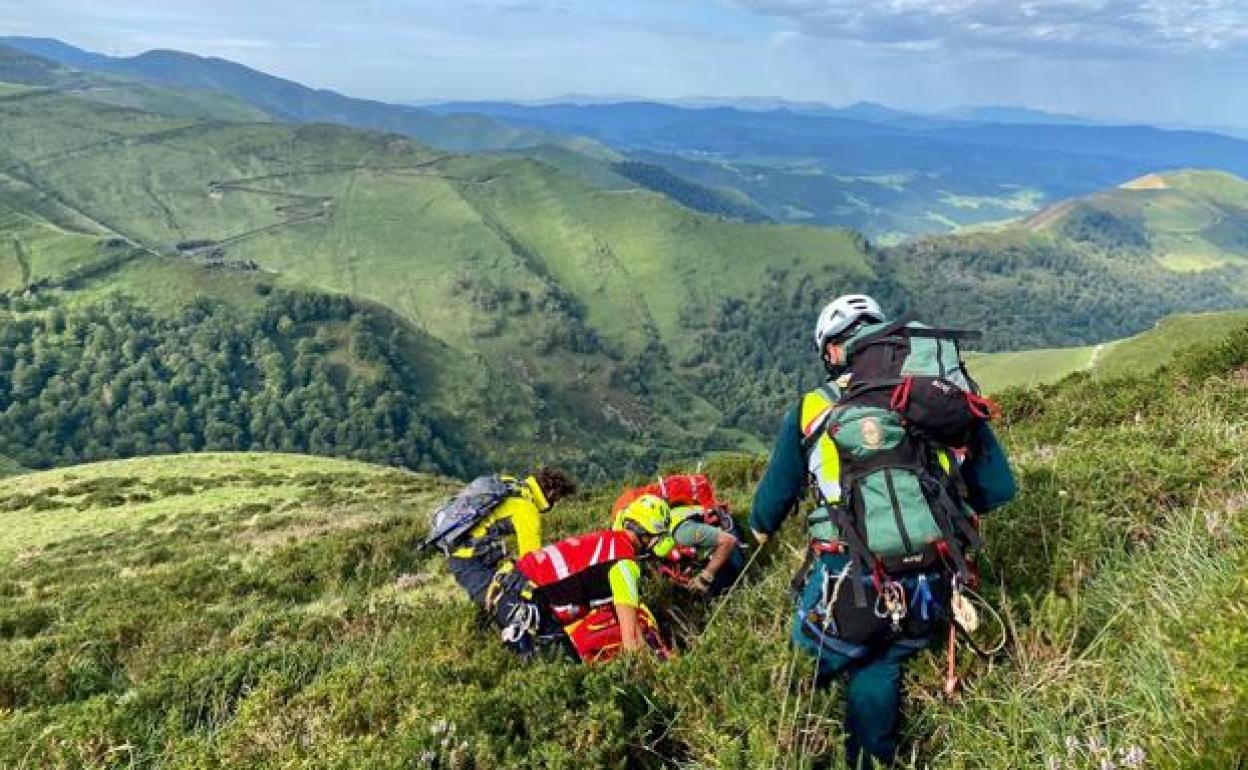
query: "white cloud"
1067, 28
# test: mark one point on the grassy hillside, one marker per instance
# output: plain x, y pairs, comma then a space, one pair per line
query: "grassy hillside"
269, 611
21, 71
1025, 368
1187, 220
1067, 278
573, 299
289, 101
1141, 354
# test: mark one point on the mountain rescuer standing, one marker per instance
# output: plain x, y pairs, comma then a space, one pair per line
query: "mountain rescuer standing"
878, 444
507, 526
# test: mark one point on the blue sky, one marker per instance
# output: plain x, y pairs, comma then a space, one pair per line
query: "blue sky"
1171, 61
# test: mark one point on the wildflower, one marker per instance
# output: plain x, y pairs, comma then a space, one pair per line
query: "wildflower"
1108, 764
1132, 757
427, 758
439, 727
1095, 745
1072, 745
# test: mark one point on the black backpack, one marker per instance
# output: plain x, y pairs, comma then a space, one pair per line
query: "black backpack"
918, 372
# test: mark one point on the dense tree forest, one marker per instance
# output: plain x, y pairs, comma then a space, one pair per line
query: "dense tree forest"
1028, 292
310, 373
695, 196
1038, 291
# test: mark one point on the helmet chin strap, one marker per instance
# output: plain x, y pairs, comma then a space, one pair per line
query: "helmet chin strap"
834, 370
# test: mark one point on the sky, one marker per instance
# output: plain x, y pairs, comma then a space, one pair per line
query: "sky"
1159, 61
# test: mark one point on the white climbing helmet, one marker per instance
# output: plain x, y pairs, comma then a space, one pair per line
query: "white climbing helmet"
842, 312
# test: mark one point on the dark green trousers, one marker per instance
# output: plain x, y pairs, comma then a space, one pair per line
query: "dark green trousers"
872, 700
872, 675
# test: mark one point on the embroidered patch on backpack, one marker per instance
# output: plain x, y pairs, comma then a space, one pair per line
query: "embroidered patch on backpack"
872, 433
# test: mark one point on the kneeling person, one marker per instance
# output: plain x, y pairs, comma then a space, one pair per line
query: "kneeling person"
508, 525
575, 576
699, 543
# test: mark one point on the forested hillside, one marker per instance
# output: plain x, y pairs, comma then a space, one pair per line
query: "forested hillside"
568, 299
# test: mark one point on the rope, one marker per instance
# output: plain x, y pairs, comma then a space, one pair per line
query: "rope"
966, 635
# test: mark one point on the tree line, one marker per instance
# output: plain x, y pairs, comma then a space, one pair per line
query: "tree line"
310, 373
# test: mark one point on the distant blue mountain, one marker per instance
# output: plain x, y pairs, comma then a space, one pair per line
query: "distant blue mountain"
287, 100
996, 113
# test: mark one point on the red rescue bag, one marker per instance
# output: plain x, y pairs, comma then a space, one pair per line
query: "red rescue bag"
596, 636
682, 489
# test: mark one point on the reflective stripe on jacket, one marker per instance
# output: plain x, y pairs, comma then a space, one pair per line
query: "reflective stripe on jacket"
585, 569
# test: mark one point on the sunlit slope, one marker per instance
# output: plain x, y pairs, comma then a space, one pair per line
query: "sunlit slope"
121, 496
576, 301
384, 219
1141, 354
995, 371
20, 70
1188, 220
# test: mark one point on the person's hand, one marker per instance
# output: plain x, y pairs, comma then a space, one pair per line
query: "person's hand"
760, 537
701, 583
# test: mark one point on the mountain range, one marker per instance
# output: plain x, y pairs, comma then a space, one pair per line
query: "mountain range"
526, 302
888, 173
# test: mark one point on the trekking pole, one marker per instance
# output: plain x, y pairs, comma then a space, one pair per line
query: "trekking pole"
723, 599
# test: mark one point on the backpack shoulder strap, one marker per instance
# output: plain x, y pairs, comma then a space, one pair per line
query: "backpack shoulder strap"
813, 412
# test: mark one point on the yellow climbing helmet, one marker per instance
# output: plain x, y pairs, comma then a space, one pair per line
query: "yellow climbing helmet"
648, 517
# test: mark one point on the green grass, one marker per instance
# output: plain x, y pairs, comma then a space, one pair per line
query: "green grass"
10, 89
1195, 220
1145, 353
997, 371
1141, 354
250, 614
120, 495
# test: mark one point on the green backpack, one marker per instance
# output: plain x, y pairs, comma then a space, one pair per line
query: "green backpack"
902, 507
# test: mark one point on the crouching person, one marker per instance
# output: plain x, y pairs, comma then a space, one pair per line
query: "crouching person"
703, 553
589, 586
493, 521
704, 556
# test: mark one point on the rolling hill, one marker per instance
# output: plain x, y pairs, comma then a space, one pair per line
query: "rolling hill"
269, 611
1141, 354
571, 299
20, 68
1188, 220
523, 309
1067, 269
292, 102
890, 175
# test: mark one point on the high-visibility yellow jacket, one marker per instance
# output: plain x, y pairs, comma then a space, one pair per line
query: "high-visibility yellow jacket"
518, 516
